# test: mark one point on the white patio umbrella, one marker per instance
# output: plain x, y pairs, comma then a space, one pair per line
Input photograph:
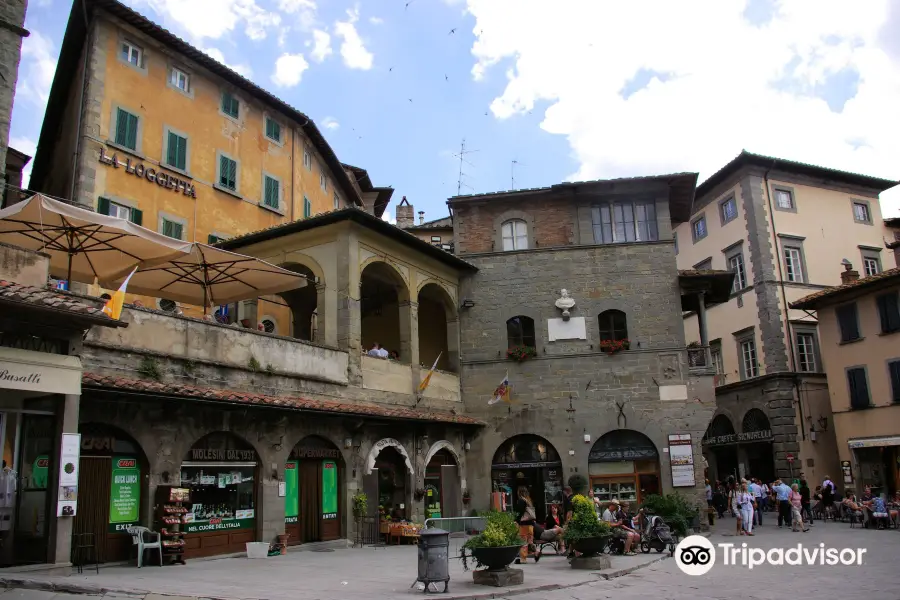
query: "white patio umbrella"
206, 275
83, 244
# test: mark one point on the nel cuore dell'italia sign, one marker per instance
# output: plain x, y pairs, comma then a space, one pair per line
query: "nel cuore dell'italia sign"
157, 176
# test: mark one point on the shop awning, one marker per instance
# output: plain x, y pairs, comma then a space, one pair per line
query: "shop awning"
31, 371
891, 440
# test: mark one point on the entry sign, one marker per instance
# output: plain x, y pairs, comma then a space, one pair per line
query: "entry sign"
790, 458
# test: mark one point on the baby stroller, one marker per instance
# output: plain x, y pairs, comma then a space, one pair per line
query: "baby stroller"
657, 536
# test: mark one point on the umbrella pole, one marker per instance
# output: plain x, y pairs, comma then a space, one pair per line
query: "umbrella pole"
69, 274
205, 301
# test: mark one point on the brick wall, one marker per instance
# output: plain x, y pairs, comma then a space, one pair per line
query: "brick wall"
477, 223
12, 15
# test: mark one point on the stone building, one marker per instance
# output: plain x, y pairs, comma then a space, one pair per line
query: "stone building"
781, 226
437, 232
581, 278
12, 31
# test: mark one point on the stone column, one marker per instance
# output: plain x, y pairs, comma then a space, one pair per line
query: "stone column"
409, 332
453, 345
60, 539
347, 288
701, 318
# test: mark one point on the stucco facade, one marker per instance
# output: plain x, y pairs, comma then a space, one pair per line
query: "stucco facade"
783, 227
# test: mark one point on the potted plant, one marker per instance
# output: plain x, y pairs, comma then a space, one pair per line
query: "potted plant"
360, 505
497, 546
613, 346
466, 498
578, 483
521, 353
585, 533
675, 510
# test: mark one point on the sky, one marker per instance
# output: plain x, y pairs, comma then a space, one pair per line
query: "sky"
588, 89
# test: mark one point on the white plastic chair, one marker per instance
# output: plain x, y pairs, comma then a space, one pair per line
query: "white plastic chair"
145, 539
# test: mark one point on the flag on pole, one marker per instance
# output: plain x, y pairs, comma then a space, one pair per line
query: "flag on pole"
427, 379
502, 391
113, 306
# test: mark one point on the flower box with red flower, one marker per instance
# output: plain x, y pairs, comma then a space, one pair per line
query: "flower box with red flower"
521, 353
613, 346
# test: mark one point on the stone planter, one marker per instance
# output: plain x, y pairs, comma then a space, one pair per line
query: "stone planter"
495, 559
591, 546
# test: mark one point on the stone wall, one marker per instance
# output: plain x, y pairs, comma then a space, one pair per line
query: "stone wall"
24, 266
12, 19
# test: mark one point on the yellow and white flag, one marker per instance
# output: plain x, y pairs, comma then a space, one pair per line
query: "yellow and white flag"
502, 391
427, 379
113, 307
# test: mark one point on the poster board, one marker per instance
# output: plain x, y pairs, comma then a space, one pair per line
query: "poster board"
681, 460
70, 454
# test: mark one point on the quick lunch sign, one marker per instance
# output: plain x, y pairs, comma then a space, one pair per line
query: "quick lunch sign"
124, 494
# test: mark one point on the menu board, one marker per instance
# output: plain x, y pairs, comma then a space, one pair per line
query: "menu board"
70, 454
124, 494
681, 458
291, 495
329, 489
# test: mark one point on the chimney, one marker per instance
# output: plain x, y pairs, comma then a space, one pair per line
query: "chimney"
421, 217
404, 214
849, 275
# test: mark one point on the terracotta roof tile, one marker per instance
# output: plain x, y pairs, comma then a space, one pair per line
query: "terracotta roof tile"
816, 299
48, 298
287, 402
442, 223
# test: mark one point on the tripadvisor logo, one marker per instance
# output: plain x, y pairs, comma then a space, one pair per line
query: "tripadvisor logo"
696, 555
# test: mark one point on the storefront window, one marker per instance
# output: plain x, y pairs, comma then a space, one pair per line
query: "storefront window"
624, 465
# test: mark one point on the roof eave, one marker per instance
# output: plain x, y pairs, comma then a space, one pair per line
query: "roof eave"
79, 318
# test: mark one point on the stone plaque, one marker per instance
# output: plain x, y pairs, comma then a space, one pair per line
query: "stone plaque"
572, 329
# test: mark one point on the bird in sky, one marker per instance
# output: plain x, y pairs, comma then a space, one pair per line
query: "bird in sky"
391, 69
410, 99
407, 4
452, 31
446, 78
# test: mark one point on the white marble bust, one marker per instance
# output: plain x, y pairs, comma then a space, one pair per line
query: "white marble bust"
565, 303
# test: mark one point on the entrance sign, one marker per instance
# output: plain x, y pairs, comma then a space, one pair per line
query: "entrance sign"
329, 490
736, 438
681, 459
70, 454
124, 494
291, 495
160, 178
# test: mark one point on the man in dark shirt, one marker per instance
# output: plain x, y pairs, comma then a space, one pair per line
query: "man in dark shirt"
805, 495
567, 504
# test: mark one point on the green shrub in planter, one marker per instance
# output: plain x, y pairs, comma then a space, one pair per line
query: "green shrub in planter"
584, 522
500, 530
578, 483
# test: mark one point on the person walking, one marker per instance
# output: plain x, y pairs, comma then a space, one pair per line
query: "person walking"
764, 506
745, 501
796, 500
756, 491
735, 506
782, 496
525, 517
806, 496
828, 497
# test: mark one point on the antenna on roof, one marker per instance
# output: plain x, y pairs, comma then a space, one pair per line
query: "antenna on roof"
512, 173
462, 159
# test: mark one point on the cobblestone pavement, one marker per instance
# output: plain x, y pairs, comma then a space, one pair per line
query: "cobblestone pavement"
387, 573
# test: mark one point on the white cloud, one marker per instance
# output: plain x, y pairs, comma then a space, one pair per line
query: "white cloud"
305, 11
376, 20
289, 70
241, 69
353, 50
36, 70
321, 45
330, 123
215, 18
387, 216
730, 84
29, 147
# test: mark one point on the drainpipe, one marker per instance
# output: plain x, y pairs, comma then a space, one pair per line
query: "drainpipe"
88, 49
787, 317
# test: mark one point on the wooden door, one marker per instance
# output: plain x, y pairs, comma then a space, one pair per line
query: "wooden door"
310, 484
92, 516
451, 495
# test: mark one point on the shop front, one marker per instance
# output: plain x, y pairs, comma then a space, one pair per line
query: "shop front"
443, 496
624, 465
388, 478
758, 445
720, 453
749, 453
221, 470
113, 477
877, 465
314, 492
527, 461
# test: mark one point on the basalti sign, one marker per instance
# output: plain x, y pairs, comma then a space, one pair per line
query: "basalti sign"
152, 175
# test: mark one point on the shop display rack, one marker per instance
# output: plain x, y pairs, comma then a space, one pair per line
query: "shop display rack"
170, 516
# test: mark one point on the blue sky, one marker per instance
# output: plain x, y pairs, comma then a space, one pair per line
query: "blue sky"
570, 94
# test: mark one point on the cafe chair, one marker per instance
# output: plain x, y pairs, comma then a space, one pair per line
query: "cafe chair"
145, 539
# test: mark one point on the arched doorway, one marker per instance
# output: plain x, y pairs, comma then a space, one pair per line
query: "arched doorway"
382, 291
221, 470
443, 496
388, 479
437, 328
530, 461
624, 465
302, 303
757, 445
112, 485
720, 446
314, 491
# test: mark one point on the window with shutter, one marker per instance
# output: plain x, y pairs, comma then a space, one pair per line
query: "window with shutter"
273, 130
213, 239
126, 129
230, 105
172, 229
270, 198
176, 151
227, 173
889, 311
859, 387
894, 370
847, 322
307, 208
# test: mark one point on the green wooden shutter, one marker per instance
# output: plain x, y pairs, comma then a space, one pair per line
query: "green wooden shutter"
181, 156
131, 131
232, 174
103, 206
307, 208
271, 192
213, 239
121, 127
172, 150
223, 171
177, 230
137, 216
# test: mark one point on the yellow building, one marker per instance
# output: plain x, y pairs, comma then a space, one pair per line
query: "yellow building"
171, 139
859, 327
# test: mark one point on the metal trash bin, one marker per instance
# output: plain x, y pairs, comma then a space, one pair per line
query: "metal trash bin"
434, 561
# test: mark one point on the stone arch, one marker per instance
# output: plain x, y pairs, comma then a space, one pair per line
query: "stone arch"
384, 310
404, 279
755, 420
720, 424
442, 445
304, 303
438, 336
298, 258
510, 215
380, 445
